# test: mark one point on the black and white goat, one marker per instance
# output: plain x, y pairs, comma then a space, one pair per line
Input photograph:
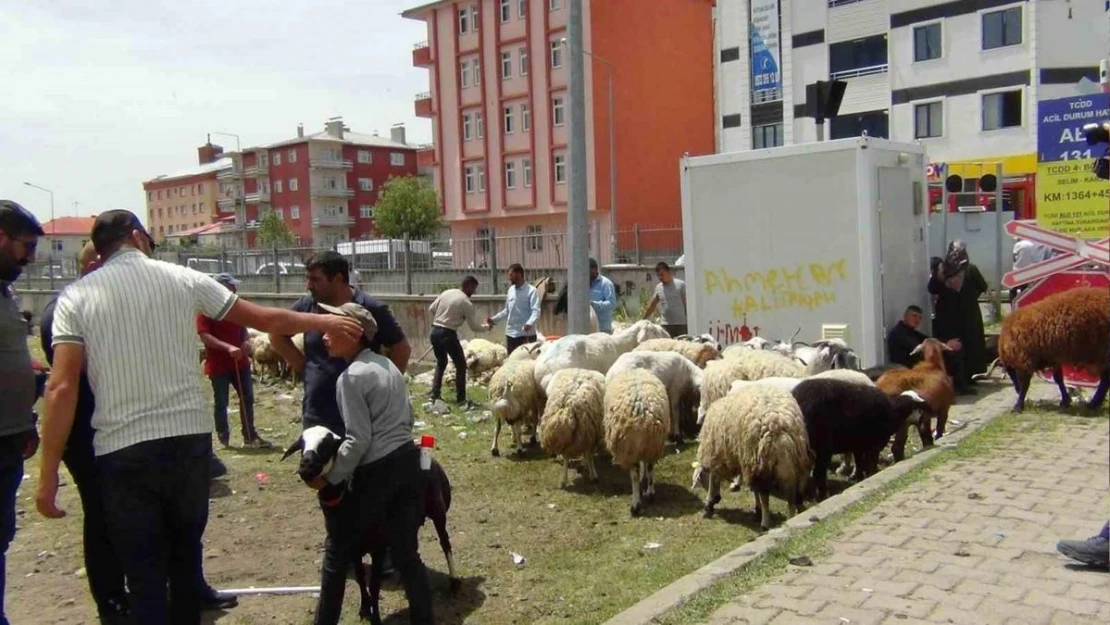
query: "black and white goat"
318, 446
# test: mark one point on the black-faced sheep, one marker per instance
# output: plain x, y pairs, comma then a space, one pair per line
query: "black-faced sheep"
571, 423
758, 435
637, 419
930, 379
1069, 328
318, 446
847, 418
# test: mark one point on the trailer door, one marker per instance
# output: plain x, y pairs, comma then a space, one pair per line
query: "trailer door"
900, 235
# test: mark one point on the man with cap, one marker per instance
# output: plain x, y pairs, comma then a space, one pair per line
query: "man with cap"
19, 234
227, 364
603, 297
379, 461
132, 324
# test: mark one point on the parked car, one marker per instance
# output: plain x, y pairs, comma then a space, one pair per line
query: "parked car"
283, 269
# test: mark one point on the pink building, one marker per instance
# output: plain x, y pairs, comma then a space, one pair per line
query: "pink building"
500, 110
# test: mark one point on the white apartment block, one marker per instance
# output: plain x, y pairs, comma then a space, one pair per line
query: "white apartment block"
961, 76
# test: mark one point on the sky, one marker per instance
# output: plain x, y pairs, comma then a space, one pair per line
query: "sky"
99, 96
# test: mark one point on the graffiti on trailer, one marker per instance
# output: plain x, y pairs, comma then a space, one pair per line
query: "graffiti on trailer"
727, 334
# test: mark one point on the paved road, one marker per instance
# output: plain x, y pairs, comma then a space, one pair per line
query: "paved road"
972, 544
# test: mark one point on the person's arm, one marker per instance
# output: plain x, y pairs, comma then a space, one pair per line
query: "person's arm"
682, 294
204, 331
391, 338
608, 299
502, 314
471, 315
536, 308
434, 307
355, 409
286, 322
978, 282
650, 310
905, 342
936, 286
61, 401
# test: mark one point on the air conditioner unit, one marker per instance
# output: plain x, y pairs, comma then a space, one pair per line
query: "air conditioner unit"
834, 331
972, 209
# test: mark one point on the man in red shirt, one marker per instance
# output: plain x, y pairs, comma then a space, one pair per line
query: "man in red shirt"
227, 364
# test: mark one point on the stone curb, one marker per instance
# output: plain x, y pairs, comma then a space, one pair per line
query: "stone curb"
983, 411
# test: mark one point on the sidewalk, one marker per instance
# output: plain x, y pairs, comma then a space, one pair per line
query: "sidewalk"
973, 543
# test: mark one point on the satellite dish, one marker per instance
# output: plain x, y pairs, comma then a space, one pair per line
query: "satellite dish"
954, 184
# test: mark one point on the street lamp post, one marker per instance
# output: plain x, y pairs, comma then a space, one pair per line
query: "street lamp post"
50, 256
240, 184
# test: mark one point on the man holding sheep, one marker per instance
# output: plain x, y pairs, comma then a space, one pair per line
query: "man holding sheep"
131, 323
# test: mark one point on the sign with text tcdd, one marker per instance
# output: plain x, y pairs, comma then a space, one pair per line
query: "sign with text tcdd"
1070, 198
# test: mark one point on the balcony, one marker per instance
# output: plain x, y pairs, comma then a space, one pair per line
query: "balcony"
325, 220
425, 155
227, 174
332, 192
228, 202
255, 197
423, 105
256, 171
422, 55
329, 162
861, 71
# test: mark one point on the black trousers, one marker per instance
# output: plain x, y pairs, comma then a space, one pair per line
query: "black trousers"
513, 342
103, 568
388, 493
155, 497
445, 343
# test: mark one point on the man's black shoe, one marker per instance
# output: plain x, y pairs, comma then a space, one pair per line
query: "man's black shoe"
212, 600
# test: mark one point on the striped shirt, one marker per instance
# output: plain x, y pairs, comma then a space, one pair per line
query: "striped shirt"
136, 318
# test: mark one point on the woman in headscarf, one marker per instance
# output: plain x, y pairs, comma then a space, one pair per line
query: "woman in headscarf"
957, 286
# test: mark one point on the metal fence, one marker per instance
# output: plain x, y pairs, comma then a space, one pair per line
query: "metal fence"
404, 266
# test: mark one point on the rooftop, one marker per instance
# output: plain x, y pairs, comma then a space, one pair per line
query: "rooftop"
196, 170
69, 226
414, 13
349, 138
212, 228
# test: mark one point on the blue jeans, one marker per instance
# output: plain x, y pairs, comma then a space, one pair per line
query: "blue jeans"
221, 392
11, 476
156, 505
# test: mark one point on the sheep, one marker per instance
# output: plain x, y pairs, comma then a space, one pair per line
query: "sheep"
318, 446
756, 364
930, 379
571, 422
681, 377
701, 338
824, 355
483, 355
786, 384
853, 376
850, 418
1068, 328
759, 435
596, 352
637, 416
515, 399
698, 353
528, 351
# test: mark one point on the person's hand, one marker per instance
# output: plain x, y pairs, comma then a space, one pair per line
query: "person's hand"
235, 353
30, 444
489, 321
246, 348
47, 495
954, 345
336, 324
527, 328
487, 327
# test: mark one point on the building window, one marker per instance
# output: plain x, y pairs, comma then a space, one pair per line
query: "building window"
277, 158
479, 125
1001, 110
474, 18
1002, 28
506, 65
558, 114
469, 179
506, 10
480, 172
533, 237
874, 123
522, 8
292, 156
468, 126
556, 54
464, 20
292, 184
926, 42
365, 184
508, 120
477, 71
526, 165
397, 159
928, 120
364, 157
294, 212
525, 117
769, 136
277, 187
510, 175
464, 73
560, 169
556, 4
366, 211
280, 213
861, 57
523, 61
482, 239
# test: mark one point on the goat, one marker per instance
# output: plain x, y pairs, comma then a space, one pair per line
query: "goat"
930, 379
319, 446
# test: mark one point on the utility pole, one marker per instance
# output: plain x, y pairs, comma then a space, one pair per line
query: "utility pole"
76, 210
578, 269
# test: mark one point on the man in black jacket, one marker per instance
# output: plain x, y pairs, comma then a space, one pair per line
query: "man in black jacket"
904, 337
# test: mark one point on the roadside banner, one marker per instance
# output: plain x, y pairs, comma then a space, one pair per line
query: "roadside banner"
1070, 199
765, 51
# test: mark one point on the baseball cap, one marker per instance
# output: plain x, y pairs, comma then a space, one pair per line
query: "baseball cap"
356, 312
226, 278
116, 225
16, 220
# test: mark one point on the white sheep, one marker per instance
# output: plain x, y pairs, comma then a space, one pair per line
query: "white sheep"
742, 364
699, 353
681, 377
758, 435
824, 355
596, 352
637, 417
514, 399
786, 384
528, 351
571, 425
756, 364
483, 356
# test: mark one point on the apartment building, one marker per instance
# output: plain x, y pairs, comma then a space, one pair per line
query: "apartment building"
323, 185
500, 113
186, 199
961, 76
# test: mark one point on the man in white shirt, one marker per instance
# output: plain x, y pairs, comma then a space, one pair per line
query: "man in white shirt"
132, 324
521, 312
670, 293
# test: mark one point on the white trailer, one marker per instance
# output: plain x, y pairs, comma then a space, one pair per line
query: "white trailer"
826, 237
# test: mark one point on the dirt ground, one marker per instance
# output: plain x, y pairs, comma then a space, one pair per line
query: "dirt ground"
585, 557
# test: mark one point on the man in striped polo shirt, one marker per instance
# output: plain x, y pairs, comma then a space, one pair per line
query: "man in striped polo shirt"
132, 323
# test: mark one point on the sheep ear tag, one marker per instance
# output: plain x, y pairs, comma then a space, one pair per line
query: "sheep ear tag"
298, 445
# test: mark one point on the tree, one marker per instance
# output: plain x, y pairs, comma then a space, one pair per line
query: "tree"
407, 205
273, 231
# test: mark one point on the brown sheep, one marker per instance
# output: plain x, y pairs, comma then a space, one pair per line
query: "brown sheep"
930, 379
1069, 328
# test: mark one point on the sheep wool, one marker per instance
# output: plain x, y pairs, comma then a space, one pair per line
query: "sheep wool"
571, 423
719, 376
681, 377
698, 353
514, 399
758, 435
483, 355
845, 375
1069, 328
637, 419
